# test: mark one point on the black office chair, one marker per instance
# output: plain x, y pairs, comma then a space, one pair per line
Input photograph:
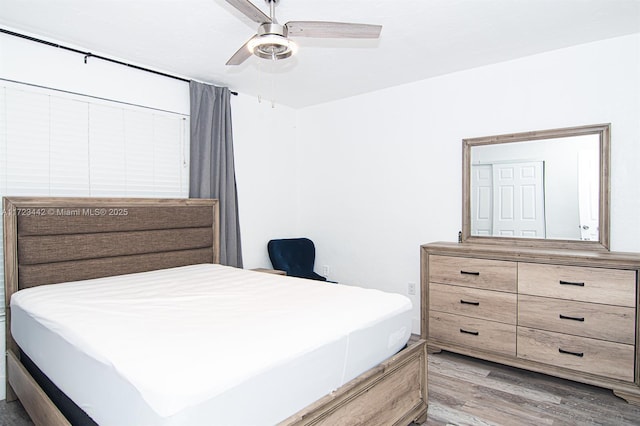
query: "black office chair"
296, 256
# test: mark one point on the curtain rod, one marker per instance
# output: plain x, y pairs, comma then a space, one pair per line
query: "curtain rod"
88, 55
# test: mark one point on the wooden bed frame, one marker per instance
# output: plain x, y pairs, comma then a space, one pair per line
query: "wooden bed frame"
53, 240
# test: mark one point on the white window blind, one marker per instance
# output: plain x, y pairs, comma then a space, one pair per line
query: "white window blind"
57, 144
68, 148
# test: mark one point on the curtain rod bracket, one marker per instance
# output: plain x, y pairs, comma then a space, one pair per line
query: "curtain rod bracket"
87, 56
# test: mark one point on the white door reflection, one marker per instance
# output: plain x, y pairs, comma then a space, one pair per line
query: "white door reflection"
508, 199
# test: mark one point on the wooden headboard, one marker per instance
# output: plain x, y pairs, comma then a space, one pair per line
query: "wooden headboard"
53, 240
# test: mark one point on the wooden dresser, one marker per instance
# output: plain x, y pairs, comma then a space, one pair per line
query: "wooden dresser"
567, 313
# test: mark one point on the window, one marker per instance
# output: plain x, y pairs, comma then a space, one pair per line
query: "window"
58, 144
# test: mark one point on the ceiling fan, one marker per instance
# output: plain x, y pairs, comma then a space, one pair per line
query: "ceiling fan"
272, 39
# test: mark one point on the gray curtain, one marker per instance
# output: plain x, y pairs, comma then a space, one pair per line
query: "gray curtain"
212, 172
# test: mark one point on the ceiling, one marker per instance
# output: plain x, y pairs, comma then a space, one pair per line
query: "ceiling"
420, 38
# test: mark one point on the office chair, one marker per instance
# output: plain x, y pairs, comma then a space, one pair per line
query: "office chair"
296, 256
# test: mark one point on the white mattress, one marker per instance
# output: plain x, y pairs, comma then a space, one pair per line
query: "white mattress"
204, 344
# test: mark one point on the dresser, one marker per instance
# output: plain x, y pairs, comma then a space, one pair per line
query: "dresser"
567, 313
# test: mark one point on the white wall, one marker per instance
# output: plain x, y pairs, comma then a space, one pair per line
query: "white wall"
383, 170
265, 159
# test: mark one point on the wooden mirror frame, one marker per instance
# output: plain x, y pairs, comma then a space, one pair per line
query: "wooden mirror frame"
603, 130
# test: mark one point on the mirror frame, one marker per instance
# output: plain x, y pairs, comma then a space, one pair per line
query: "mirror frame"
603, 130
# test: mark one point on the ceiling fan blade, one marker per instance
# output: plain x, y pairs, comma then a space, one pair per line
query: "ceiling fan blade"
241, 55
250, 10
332, 29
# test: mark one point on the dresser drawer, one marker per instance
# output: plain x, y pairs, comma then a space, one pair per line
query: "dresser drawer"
479, 273
597, 285
614, 360
485, 304
473, 332
604, 322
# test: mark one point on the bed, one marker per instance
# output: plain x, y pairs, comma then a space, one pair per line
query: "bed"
162, 254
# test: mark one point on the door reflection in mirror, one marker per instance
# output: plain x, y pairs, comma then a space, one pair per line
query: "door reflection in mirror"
536, 189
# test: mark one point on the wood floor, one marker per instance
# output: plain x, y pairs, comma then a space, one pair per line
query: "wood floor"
466, 391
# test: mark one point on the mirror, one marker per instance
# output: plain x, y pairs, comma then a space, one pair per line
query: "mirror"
546, 188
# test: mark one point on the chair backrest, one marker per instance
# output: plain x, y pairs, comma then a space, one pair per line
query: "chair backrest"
296, 256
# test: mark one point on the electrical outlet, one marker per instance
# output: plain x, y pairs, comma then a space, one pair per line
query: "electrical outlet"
411, 289
325, 270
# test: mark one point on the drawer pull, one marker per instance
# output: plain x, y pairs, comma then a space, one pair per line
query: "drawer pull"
571, 283
581, 319
475, 333
578, 354
469, 273
465, 302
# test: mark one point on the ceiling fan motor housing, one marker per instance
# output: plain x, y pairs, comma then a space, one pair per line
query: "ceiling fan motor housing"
271, 42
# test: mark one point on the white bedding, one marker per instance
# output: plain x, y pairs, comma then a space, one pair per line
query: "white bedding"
204, 344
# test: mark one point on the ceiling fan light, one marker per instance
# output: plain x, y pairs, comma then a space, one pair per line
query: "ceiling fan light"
272, 46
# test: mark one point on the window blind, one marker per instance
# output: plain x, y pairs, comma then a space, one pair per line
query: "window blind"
56, 144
